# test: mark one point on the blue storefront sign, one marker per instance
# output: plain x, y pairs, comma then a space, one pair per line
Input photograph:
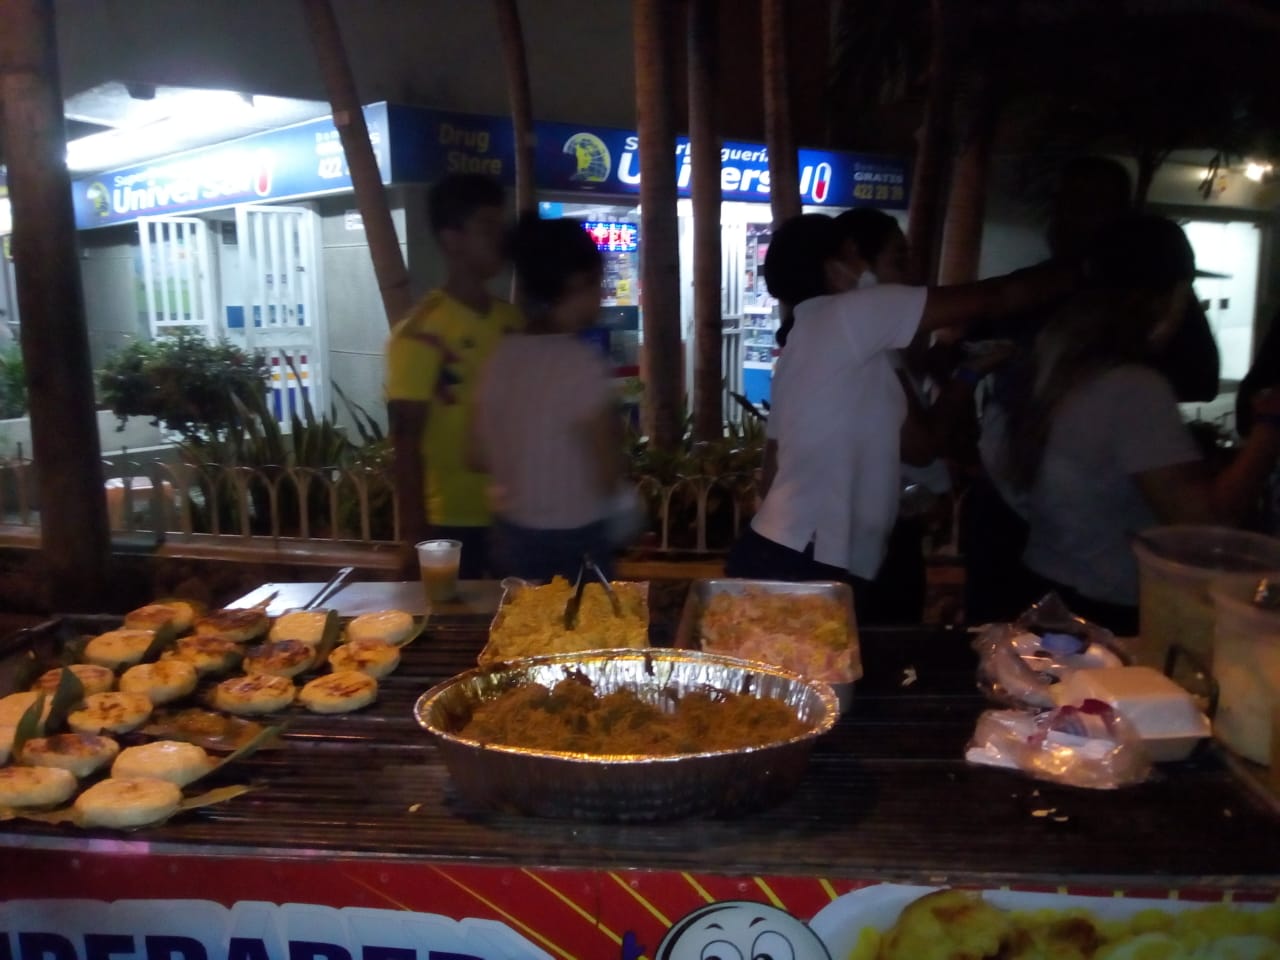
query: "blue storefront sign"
419, 145
607, 161
297, 161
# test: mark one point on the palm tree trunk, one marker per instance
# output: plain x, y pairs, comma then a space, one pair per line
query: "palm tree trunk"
931, 148
520, 97
784, 167
659, 227
704, 151
74, 535
967, 198
366, 180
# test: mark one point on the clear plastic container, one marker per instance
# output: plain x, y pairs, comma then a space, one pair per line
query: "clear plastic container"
1178, 568
1246, 664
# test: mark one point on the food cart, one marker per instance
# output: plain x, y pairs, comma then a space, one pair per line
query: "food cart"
354, 846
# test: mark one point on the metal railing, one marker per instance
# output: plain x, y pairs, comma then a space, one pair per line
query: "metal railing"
274, 508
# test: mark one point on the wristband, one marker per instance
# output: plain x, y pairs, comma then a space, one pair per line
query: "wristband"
968, 376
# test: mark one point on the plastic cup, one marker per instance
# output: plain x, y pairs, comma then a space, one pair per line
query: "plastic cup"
1178, 569
1246, 665
438, 562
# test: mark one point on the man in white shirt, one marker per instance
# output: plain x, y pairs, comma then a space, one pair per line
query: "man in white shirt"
831, 474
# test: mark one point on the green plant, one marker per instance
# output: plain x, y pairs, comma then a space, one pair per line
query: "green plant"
185, 383
313, 443
731, 462
13, 383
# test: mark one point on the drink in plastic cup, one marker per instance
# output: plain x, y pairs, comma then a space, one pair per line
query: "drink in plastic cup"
438, 562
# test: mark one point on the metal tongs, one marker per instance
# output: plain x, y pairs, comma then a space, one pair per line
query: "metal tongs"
335, 583
574, 605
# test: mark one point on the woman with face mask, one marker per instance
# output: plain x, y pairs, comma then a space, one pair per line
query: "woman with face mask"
546, 427
831, 474
1093, 448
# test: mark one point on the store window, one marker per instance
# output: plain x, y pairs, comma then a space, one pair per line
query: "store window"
1231, 250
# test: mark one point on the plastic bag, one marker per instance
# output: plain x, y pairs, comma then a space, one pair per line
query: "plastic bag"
1018, 663
1090, 745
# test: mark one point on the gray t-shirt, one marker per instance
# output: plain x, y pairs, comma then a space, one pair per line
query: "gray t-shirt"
1086, 500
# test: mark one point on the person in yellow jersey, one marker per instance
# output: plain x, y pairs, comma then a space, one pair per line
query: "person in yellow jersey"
434, 358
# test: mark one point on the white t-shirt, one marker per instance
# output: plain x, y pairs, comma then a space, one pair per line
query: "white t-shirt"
534, 405
1085, 501
836, 414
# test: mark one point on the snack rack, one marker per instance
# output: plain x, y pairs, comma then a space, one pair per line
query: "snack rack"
355, 845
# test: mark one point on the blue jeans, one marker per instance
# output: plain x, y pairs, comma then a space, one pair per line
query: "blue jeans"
539, 555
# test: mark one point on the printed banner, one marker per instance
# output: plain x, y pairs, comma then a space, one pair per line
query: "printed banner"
100, 906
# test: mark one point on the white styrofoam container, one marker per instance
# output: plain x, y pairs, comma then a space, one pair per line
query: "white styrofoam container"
1164, 714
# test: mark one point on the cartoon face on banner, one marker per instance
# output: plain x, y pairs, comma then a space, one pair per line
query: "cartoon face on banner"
740, 930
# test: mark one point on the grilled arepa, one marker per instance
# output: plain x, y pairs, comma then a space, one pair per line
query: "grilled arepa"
123, 803
389, 626
161, 682
240, 626
172, 760
93, 679
118, 648
377, 658
255, 693
340, 692
280, 658
110, 712
177, 614
79, 753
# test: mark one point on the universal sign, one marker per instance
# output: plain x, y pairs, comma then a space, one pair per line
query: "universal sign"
231, 177
607, 161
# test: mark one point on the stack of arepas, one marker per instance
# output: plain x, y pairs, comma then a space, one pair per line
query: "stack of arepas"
165, 653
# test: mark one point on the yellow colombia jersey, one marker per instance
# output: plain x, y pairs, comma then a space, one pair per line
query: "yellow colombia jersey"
435, 356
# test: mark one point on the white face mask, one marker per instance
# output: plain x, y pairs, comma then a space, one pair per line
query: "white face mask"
867, 279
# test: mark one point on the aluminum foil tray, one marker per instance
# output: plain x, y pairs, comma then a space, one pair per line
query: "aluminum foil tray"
625, 787
689, 634
513, 585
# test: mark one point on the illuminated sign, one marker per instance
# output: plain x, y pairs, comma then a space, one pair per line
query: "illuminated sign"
608, 161
614, 237
302, 160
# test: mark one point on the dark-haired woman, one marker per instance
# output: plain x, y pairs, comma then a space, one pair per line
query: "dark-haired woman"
1096, 449
831, 472
546, 427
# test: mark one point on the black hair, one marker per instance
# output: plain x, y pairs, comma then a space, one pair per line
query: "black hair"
795, 266
454, 198
1133, 264
1142, 252
870, 230
547, 253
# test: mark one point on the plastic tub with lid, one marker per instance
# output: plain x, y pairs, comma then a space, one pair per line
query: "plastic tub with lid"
1246, 664
1178, 568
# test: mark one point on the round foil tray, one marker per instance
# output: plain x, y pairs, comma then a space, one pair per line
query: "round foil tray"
626, 787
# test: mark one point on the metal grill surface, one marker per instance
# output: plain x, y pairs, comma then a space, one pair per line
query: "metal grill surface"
887, 794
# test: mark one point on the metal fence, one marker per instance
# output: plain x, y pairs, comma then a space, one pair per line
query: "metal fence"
274, 508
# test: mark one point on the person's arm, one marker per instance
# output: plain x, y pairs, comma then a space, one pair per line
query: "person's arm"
999, 297
1184, 492
605, 441
413, 366
408, 421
